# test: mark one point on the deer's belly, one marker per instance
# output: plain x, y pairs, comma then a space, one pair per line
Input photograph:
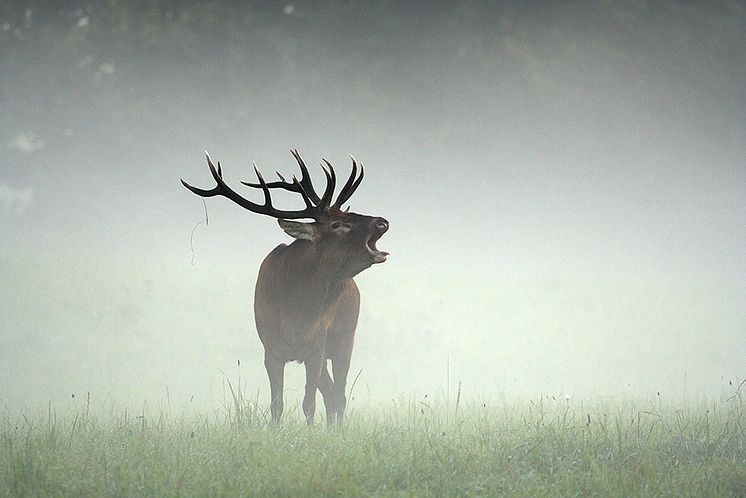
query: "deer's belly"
294, 343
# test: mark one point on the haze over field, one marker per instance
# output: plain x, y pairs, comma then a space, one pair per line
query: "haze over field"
565, 184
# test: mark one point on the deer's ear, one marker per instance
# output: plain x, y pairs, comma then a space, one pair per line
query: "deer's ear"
299, 230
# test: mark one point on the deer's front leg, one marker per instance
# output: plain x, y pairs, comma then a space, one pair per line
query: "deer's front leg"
340, 368
276, 373
313, 373
326, 387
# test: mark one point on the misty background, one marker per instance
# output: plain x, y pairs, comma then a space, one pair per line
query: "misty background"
565, 183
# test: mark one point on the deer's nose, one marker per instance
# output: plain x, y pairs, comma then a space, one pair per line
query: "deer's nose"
382, 225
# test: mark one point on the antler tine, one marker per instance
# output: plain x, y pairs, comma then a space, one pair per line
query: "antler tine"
304, 186
351, 185
305, 179
263, 186
293, 187
285, 185
221, 188
314, 205
216, 174
297, 188
344, 194
331, 183
303, 193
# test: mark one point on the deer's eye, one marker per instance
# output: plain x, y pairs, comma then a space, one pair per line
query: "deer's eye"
339, 226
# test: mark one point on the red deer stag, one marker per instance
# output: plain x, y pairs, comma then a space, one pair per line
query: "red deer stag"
306, 304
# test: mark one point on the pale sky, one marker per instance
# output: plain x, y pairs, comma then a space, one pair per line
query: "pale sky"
566, 189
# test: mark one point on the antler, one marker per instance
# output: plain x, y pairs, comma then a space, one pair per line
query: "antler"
351, 185
296, 186
223, 189
305, 185
315, 205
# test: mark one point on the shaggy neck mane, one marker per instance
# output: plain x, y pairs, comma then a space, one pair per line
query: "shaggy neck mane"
306, 280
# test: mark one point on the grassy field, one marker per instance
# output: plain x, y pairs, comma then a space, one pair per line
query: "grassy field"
415, 447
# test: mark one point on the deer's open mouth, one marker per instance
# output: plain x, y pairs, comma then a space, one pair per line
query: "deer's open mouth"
375, 254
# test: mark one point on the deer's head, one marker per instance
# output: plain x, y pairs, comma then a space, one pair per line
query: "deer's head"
340, 239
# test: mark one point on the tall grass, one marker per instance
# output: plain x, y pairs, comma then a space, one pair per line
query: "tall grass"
408, 447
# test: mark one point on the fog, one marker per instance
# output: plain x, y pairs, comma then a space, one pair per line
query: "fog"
565, 184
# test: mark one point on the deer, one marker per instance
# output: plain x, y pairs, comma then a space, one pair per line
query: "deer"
306, 303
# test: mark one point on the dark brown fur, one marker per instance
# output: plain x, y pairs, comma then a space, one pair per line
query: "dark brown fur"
306, 304
306, 307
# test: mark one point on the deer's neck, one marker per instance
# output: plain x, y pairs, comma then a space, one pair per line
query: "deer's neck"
310, 277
